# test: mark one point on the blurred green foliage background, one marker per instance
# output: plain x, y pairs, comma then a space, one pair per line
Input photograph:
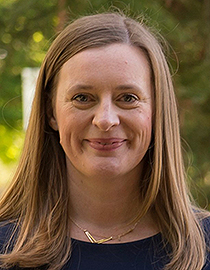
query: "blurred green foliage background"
27, 28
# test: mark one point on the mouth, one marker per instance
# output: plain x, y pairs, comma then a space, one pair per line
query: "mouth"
108, 144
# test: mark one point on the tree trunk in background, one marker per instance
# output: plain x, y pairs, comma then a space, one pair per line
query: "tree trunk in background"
62, 15
207, 27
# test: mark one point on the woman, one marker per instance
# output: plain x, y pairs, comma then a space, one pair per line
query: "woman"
101, 182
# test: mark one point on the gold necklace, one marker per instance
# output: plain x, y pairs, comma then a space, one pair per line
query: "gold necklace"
106, 239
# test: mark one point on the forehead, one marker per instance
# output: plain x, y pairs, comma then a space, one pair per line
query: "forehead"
115, 58
108, 69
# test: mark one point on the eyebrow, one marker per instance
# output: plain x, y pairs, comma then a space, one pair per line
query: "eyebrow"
126, 87
123, 87
76, 87
79, 87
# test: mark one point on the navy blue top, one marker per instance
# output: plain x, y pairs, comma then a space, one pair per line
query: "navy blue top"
145, 254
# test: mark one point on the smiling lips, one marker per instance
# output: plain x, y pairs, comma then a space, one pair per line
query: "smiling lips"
102, 144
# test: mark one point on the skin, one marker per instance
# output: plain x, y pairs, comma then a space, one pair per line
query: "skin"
103, 112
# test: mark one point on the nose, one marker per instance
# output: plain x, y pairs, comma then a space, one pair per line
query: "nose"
105, 116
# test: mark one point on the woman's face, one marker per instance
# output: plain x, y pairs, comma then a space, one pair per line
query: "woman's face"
103, 110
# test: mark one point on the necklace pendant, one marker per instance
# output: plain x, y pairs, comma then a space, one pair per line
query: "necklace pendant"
103, 240
93, 240
90, 237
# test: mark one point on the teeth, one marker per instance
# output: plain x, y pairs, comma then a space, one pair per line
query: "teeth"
106, 143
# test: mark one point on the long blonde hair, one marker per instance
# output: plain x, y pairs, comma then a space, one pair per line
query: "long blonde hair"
37, 200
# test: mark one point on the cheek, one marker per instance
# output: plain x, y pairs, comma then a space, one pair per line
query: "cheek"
71, 130
64, 137
145, 131
65, 126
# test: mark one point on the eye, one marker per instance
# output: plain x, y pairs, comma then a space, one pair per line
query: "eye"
83, 101
83, 98
128, 101
128, 98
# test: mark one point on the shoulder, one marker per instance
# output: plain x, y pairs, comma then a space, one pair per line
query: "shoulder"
205, 223
7, 234
203, 218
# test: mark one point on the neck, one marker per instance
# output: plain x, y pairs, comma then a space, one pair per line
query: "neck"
104, 202
108, 206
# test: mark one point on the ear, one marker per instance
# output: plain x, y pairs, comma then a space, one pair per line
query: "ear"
53, 123
51, 117
51, 113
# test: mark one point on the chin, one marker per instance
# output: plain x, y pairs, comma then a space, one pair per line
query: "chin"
104, 171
